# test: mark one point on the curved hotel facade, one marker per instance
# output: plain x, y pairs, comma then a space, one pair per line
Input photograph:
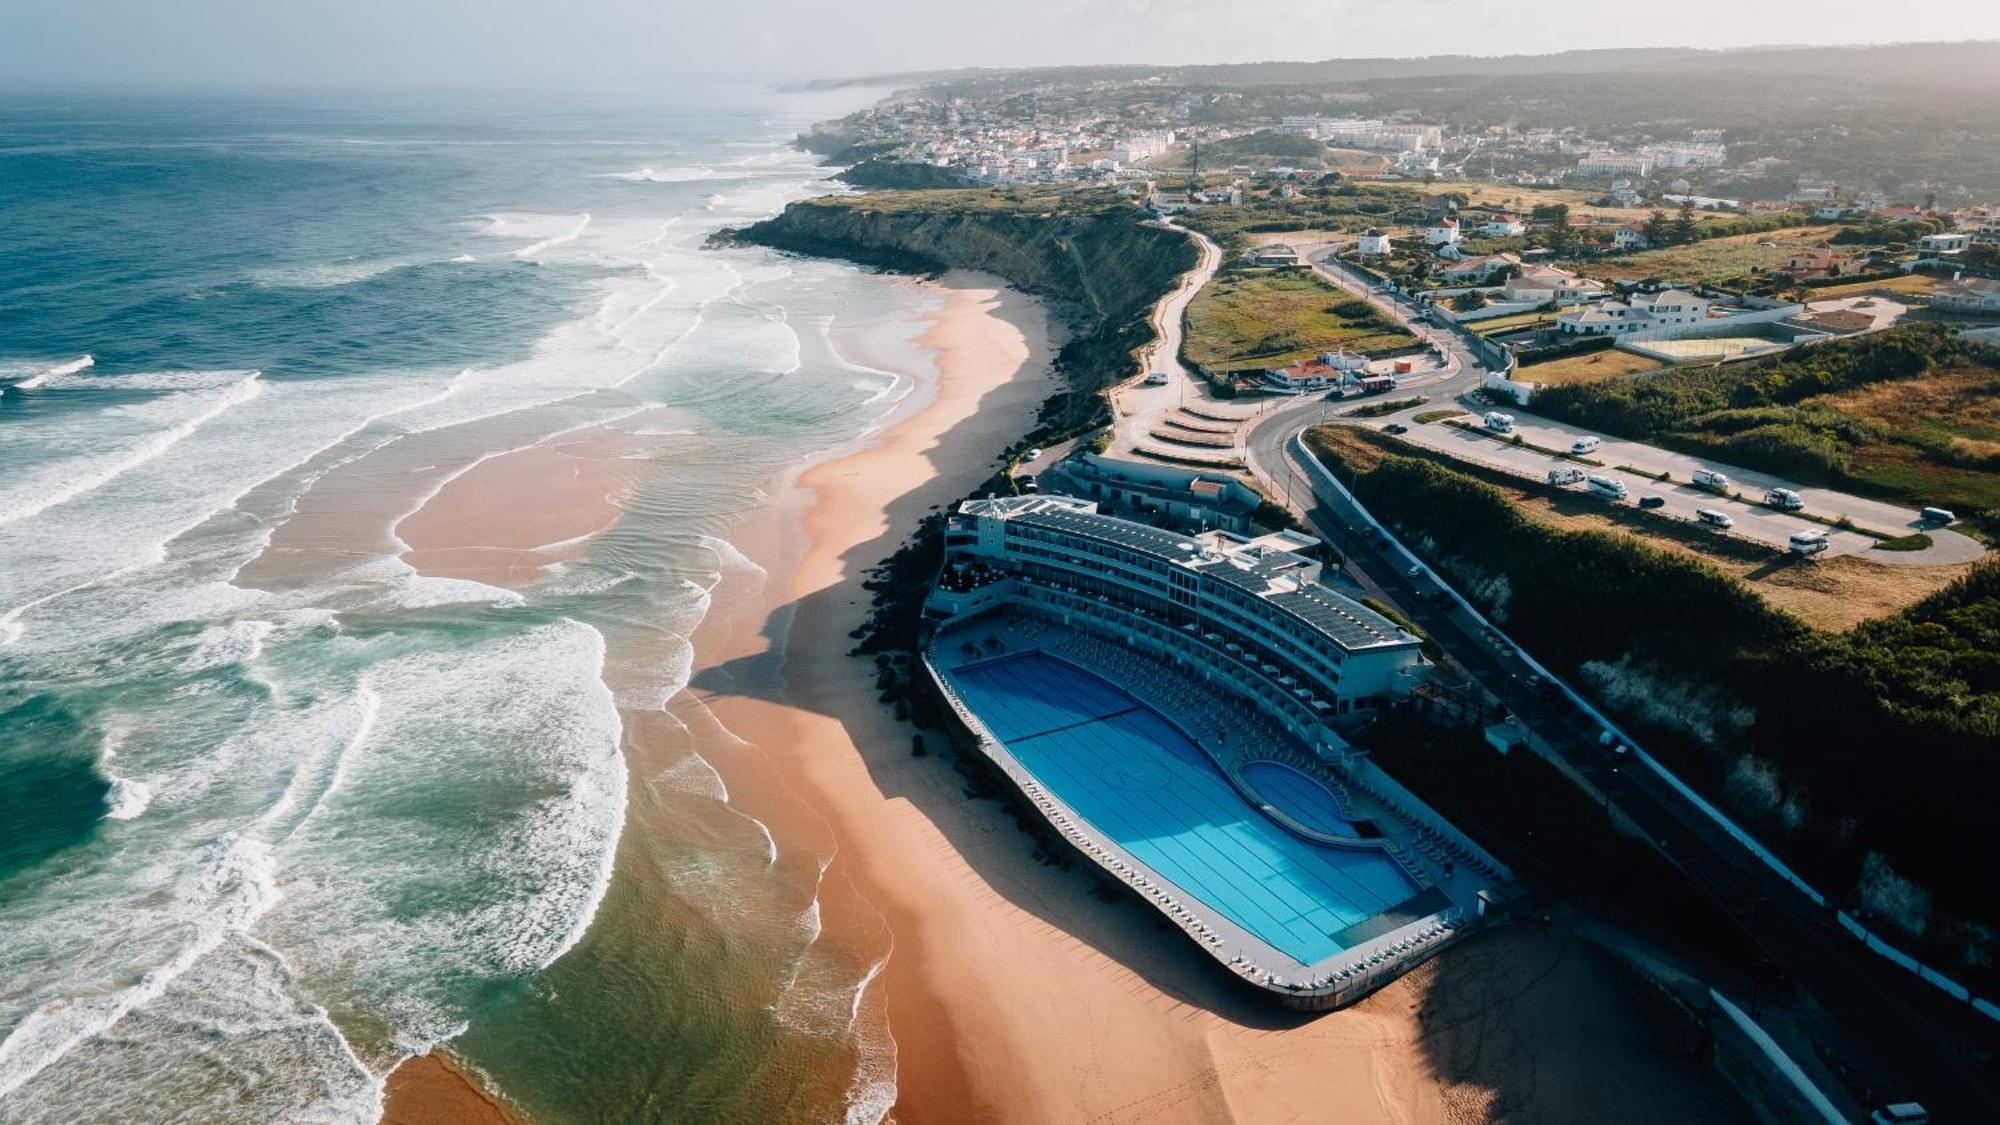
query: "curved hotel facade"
1171, 704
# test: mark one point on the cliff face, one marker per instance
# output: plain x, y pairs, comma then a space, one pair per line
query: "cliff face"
1100, 265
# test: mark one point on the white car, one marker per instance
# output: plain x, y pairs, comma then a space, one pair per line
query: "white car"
1032, 455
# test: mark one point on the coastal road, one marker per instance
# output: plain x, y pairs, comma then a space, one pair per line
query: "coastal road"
1932, 1045
1939, 1050
1137, 408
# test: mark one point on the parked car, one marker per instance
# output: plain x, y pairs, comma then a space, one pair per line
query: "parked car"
1395, 428
1032, 455
1652, 501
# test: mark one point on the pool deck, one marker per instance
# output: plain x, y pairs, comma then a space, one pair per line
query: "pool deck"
1316, 918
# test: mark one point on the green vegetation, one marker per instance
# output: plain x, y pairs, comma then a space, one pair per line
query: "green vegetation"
1350, 208
1260, 318
1791, 728
1436, 415
1915, 541
1713, 261
1387, 406
1912, 415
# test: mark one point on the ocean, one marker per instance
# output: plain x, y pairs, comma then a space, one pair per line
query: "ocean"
279, 810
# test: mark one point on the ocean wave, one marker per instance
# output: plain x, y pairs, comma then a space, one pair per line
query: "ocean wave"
546, 231
329, 275
97, 472
59, 371
234, 888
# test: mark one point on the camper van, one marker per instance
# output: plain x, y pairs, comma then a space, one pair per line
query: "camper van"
1606, 487
1784, 499
1938, 516
1499, 423
1709, 478
1713, 518
1585, 445
1157, 379
1810, 542
1565, 476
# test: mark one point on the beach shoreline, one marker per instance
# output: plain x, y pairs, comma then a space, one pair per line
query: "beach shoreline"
993, 983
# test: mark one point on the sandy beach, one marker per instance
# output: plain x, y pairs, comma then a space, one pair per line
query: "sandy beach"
1011, 992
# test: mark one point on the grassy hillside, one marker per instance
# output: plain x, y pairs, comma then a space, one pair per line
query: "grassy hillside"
1270, 318
1089, 252
1869, 758
1912, 415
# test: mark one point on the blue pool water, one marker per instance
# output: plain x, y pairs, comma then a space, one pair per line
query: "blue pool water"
1140, 783
1299, 797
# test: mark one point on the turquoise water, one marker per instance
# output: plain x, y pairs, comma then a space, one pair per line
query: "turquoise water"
1140, 783
1299, 797
267, 829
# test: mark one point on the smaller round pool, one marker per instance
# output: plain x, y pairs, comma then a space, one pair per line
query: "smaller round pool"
1298, 795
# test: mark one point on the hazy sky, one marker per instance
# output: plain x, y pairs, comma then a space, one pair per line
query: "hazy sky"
626, 43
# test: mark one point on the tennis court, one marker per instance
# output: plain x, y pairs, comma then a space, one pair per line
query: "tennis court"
1141, 784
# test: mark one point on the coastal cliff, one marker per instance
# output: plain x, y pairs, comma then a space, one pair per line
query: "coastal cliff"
1091, 255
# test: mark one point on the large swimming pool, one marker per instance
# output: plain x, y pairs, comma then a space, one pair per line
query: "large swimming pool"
1141, 784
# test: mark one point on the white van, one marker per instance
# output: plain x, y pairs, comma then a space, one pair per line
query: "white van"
1499, 423
1784, 499
1714, 518
1565, 476
1939, 516
1810, 542
1709, 478
1585, 445
1606, 487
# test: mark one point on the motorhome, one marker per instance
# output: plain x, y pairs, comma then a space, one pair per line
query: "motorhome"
1810, 542
1709, 478
1784, 499
1565, 476
1378, 384
1157, 379
1606, 487
1939, 516
1499, 423
1585, 445
1713, 518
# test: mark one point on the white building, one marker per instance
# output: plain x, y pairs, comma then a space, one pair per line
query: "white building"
1614, 164
1668, 312
1503, 226
1263, 596
1943, 245
1631, 236
1967, 295
1374, 242
1441, 232
1548, 283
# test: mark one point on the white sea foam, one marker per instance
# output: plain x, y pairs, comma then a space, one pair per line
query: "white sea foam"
127, 798
329, 275
40, 495
235, 887
52, 374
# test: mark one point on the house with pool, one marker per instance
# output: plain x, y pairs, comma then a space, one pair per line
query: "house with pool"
1172, 705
